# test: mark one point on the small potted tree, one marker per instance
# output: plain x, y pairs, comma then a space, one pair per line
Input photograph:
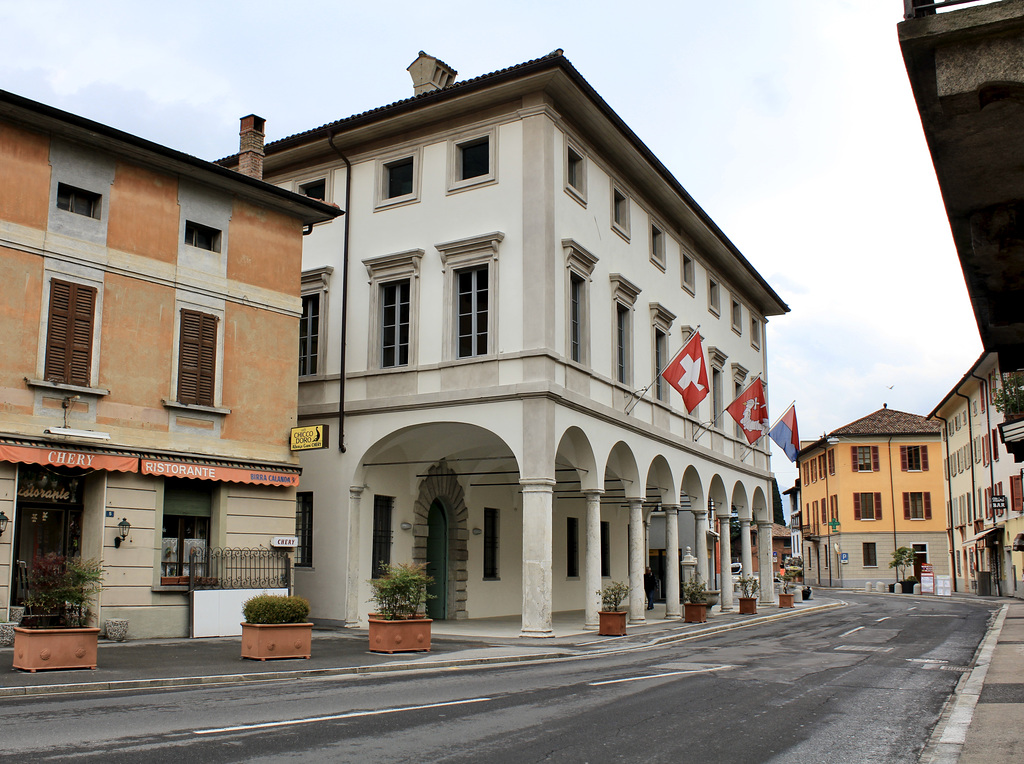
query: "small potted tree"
903, 558
276, 626
400, 623
55, 633
611, 617
695, 600
749, 587
786, 596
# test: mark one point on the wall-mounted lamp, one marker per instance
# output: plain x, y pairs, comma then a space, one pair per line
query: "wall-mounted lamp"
832, 441
123, 529
477, 531
406, 526
3, 522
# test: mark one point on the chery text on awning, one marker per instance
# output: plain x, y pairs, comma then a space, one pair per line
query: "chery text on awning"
200, 471
65, 457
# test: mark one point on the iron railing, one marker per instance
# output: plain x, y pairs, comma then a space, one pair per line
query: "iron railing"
233, 568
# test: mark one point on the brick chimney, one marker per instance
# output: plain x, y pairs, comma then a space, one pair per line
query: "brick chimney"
250, 146
429, 74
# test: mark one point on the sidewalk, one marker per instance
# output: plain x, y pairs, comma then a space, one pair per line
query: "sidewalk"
191, 662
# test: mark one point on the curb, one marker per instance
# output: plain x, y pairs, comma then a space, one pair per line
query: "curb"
383, 668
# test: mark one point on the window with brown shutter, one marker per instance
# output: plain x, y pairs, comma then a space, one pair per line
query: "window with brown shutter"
878, 506
832, 462
197, 358
69, 333
874, 458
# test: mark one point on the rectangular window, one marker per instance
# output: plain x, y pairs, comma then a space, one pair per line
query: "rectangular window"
832, 462
914, 458
658, 246
474, 159
202, 237
921, 552
472, 307
69, 333
309, 335
737, 317
577, 289
314, 189
867, 506
870, 555
398, 178
620, 212
197, 358
714, 298
687, 272
621, 343
917, 505
574, 170
716, 397
187, 508
383, 508
864, 458
814, 470
660, 360
394, 324
491, 529
304, 529
755, 332
606, 549
78, 201
572, 547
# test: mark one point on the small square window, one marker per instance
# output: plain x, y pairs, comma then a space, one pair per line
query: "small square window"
714, 297
314, 189
78, 201
474, 159
202, 237
755, 332
398, 178
574, 170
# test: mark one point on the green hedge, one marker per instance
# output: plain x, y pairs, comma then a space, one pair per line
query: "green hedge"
275, 608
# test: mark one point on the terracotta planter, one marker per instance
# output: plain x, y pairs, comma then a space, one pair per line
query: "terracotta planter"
403, 636
269, 641
44, 649
611, 623
785, 600
748, 605
695, 612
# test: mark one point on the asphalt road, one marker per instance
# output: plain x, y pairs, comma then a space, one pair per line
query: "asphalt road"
864, 683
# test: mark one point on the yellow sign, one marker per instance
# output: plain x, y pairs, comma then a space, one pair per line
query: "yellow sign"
307, 438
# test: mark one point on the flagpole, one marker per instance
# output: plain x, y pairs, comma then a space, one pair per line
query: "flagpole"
792, 403
637, 397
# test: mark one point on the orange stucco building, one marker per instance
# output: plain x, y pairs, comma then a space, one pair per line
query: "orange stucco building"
868, 488
149, 323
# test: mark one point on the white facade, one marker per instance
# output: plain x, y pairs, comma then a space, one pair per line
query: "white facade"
505, 458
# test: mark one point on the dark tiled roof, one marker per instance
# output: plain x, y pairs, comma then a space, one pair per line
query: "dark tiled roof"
888, 421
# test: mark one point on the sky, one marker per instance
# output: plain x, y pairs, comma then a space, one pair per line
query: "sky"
791, 122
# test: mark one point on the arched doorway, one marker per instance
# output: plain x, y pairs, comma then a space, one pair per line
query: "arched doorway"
437, 561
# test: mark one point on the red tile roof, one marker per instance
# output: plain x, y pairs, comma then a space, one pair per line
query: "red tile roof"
888, 421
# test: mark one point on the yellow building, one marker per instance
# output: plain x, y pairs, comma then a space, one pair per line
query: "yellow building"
150, 320
868, 488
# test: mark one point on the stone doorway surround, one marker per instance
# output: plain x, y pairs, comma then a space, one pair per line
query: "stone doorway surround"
442, 484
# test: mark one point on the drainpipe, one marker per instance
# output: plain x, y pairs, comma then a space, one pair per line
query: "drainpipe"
344, 295
949, 507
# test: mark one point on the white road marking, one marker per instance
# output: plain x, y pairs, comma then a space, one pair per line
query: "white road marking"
879, 620
335, 717
659, 676
845, 633
926, 660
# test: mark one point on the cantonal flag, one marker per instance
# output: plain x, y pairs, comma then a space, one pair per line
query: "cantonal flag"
750, 411
785, 434
687, 373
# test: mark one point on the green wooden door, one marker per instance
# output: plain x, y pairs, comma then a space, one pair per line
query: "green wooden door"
437, 561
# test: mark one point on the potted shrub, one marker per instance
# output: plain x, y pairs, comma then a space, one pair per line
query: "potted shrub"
276, 626
786, 596
749, 586
695, 600
611, 616
54, 634
400, 623
903, 558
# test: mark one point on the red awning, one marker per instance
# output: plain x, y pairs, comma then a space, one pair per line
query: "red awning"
199, 471
68, 457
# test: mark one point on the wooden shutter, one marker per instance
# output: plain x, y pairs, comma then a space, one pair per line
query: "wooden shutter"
197, 358
1015, 494
874, 458
906, 505
856, 506
855, 463
903, 458
69, 333
995, 444
924, 458
927, 498
832, 462
878, 506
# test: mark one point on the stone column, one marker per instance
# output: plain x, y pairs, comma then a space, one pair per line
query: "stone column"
592, 563
672, 609
767, 572
748, 568
637, 600
353, 579
725, 560
701, 541
537, 587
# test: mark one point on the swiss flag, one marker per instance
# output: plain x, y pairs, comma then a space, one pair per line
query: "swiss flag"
750, 411
687, 373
